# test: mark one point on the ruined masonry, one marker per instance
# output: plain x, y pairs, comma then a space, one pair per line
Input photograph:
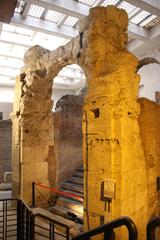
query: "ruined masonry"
113, 153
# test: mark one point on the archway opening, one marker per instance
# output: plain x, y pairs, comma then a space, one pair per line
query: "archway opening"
68, 94
149, 72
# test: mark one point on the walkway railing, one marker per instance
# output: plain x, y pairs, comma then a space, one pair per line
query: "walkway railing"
151, 228
108, 230
48, 228
17, 222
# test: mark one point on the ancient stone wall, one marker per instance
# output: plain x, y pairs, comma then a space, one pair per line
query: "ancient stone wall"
149, 122
68, 135
113, 154
5, 147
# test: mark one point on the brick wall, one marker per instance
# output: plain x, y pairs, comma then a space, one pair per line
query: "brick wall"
5, 147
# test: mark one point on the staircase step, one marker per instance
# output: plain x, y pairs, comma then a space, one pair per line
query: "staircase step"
76, 180
78, 174
81, 167
70, 204
79, 195
64, 212
72, 187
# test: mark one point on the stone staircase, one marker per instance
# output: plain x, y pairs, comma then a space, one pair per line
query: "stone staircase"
71, 207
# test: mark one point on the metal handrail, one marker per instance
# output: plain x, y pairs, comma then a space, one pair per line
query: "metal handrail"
49, 219
108, 228
51, 230
151, 228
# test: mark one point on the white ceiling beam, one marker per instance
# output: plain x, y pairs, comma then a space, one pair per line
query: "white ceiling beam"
9, 56
9, 41
1, 25
152, 6
8, 66
139, 47
9, 76
69, 7
137, 32
8, 84
26, 9
47, 27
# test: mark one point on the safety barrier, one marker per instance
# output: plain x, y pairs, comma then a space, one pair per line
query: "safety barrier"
48, 228
108, 230
54, 190
151, 228
17, 222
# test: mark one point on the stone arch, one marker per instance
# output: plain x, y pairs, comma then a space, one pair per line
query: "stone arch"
148, 68
112, 151
68, 130
33, 139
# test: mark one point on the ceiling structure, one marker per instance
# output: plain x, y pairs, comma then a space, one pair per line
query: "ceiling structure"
51, 23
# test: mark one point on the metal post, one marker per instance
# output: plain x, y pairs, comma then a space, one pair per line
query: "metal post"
33, 194
32, 227
19, 219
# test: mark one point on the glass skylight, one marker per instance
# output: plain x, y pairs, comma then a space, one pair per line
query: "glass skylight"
71, 21
20, 6
35, 11
153, 23
54, 16
134, 12
140, 17
147, 20
109, 2
88, 2
130, 9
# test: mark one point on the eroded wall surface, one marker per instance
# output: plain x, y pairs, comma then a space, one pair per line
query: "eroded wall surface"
113, 153
68, 136
5, 147
149, 122
112, 149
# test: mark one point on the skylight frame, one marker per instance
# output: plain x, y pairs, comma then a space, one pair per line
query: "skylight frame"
54, 16
141, 16
109, 2
35, 11
71, 21
147, 20
153, 23
20, 6
88, 2
129, 8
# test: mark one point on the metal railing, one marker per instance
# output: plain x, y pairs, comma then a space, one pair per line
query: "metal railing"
8, 219
151, 228
108, 230
18, 222
48, 228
